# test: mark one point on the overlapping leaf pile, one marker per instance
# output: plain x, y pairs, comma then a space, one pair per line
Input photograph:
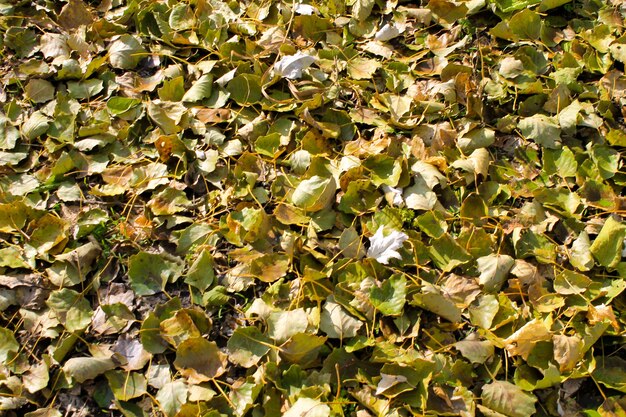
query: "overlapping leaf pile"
320, 208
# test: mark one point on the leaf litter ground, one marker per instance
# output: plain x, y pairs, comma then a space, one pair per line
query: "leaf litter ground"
363, 208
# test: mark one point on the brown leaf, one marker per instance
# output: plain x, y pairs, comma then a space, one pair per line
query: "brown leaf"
523, 341
200, 360
568, 350
75, 14
208, 116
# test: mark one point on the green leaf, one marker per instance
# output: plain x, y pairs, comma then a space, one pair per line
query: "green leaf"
119, 105
36, 125
569, 282
611, 372
200, 90
22, 40
384, 170
474, 209
126, 386
8, 345
507, 399
245, 89
606, 159
560, 162
84, 369
149, 272
616, 137
39, 91
84, 89
551, 4
607, 246
308, 407
314, 194
351, 244
167, 115
433, 223
389, 298
172, 89
493, 270
268, 145
72, 267
243, 397
71, 308
125, 52
483, 313
302, 348
171, 397
476, 351
182, 17
580, 254
201, 274
199, 360
508, 6
336, 323
447, 254
542, 129
361, 9
247, 346
528, 243
432, 299
281, 325
12, 257
526, 24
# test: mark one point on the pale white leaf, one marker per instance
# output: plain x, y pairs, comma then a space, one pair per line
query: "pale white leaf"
304, 9
388, 32
382, 248
389, 381
226, 78
308, 407
291, 66
395, 194
336, 323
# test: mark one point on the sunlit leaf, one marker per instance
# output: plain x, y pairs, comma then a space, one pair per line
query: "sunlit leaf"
84, 369
126, 386
336, 323
314, 194
291, 66
493, 271
125, 52
200, 89
383, 248
507, 399
247, 346
149, 272
9, 346
39, 91
199, 360
308, 407
607, 246
71, 308
389, 298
